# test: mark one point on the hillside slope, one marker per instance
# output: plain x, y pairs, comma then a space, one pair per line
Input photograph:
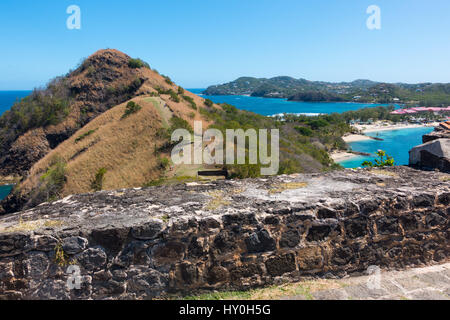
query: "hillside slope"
40, 122
114, 130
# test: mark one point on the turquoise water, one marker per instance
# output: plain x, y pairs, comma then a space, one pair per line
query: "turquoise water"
4, 191
272, 106
7, 99
397, 144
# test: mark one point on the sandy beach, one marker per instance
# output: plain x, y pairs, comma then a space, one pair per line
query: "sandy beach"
341, 156
387, 127
376, 127
356, 137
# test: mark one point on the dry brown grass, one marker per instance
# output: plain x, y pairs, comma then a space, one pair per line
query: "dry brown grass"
287, 186
26, 226
218, 199
304, 288
384, 173
125, 147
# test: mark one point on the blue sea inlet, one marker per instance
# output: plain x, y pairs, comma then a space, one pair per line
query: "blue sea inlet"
4, 191
272, 106
396, 143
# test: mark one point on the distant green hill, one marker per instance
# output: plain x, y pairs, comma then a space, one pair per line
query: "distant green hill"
425, 94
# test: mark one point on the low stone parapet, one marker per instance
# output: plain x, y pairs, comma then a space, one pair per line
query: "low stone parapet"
147, 243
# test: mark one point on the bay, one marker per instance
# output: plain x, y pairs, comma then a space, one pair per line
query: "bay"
396, 143
273, 106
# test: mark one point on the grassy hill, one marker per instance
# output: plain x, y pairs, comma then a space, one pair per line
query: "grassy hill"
107, 125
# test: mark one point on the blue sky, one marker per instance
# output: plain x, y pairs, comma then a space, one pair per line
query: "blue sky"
199, 43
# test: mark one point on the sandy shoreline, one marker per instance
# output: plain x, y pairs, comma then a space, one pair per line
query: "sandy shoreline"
343, 155
356, 137
380, 127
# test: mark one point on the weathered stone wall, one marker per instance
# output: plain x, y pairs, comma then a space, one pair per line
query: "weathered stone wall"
142, 243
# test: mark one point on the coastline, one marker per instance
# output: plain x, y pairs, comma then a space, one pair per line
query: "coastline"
345, 155
356, 137
8, 180
380, 127
342, 156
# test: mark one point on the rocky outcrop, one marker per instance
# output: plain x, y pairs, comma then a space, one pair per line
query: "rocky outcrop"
440, 132
144, 243
434, 153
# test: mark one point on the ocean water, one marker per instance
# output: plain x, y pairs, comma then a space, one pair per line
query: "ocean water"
4, 191
7, 99
396, 143
272, 106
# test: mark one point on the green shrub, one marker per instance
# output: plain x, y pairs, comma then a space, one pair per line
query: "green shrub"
168, 80
173, 96
193, 105
319, 123
97, 183
209, 103
137, 82
84, 135
155, 183
304, 131
178, 123
54, 179
244, 171
131, 108
383, 160
180, 90
137, 64
163, 163
40, 109
90, 71
111, 91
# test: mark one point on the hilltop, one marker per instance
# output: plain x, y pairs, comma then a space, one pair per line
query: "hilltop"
427, 94
107, 125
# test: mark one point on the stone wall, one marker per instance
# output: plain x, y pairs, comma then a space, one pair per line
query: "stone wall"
144, 243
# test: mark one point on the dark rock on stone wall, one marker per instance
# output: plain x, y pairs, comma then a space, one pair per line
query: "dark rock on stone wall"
147, 243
